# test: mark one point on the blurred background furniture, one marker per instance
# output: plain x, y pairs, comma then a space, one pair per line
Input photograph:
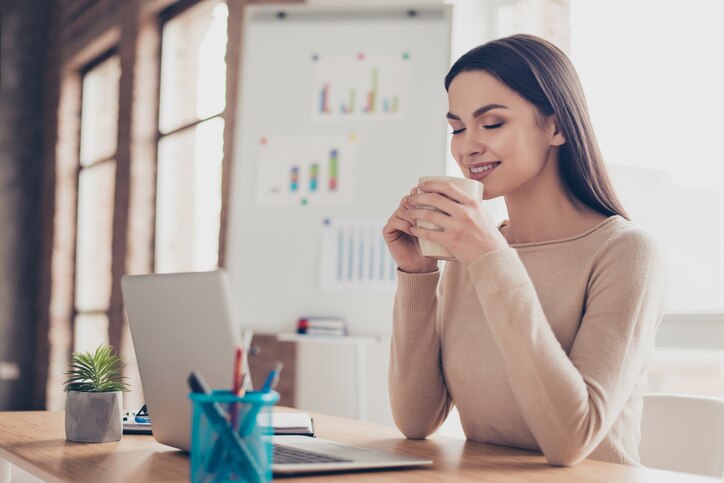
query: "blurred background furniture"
683, 433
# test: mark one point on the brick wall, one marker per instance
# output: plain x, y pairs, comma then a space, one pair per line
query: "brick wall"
23, 38
44, 44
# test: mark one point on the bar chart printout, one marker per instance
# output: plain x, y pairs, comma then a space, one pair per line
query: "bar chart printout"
306, 171
360, 86
355, 256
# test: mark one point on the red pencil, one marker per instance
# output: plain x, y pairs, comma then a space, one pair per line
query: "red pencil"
236, 384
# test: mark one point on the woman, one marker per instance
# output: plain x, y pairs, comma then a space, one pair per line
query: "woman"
540, 333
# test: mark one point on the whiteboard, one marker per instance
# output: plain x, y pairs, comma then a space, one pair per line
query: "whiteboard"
341, 110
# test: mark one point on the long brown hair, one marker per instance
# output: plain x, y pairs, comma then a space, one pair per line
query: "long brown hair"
543, 75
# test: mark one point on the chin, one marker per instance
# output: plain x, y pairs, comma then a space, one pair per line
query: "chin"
491, 194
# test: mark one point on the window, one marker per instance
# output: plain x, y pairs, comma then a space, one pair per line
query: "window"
654, 92
191, 142
654, 100
137, 163
96, 190
653, 88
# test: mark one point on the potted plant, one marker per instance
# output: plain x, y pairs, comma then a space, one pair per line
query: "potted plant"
93, 401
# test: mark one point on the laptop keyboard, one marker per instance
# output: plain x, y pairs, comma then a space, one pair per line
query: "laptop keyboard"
286, 455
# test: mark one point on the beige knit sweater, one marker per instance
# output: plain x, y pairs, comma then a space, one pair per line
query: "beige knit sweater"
540, 345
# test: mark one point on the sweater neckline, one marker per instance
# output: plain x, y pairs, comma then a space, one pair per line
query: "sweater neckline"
560, 240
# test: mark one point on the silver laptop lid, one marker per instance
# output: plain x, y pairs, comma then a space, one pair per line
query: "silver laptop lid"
169, 315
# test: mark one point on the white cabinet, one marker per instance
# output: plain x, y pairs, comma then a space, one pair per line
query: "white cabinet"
342, 376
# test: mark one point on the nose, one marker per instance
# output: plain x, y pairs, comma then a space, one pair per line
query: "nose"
471, 145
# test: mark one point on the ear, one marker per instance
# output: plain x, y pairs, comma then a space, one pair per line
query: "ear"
554, 129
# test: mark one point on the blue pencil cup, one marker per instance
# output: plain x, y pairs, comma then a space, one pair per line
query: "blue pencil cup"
231, 436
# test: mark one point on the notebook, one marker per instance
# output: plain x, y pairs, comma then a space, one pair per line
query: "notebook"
292, 423
283, 423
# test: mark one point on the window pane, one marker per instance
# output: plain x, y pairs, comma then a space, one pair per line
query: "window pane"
95, 236
193, 68
91, 330
659, 124
188, 200
99, 122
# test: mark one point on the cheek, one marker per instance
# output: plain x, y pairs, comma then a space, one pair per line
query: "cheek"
502, 145
521, 148
533, 151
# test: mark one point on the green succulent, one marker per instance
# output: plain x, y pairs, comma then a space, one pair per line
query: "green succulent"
97, 372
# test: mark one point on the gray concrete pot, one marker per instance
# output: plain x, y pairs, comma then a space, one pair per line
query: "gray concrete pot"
93, 417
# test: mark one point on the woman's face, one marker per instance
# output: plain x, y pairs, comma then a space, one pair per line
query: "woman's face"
498, 137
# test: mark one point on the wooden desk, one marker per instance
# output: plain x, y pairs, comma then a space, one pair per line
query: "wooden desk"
35, 441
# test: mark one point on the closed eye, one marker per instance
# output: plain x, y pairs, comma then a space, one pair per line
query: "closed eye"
457, 131
493, 126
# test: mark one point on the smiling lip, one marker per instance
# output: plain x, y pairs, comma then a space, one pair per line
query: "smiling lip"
480, 175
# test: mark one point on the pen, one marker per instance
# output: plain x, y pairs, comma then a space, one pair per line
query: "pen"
238, 370
245, 384
273, 378
271, 382
246, 338
236, 384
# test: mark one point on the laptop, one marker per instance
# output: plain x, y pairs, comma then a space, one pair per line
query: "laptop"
185, 321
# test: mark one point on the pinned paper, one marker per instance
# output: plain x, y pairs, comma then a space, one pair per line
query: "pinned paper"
306, 171
362, 86
354, 256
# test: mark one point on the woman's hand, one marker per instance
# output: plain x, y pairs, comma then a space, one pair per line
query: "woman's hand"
468, 231
402, 243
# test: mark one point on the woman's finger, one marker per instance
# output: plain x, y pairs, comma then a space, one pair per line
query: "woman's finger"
446, 188
428, 234
436, 200
404, 201
404, 213
396, 224
431, 216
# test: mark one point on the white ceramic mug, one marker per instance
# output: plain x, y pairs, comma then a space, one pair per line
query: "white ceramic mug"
472, 188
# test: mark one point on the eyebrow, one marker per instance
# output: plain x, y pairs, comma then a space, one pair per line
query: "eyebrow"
478, 112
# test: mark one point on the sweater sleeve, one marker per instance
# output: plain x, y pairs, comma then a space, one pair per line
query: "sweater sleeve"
570, 402
418, 394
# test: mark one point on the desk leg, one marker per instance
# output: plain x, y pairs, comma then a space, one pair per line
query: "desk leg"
5, 468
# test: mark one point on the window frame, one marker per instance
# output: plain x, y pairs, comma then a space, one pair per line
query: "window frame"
225, 115
688, 330
80, 168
